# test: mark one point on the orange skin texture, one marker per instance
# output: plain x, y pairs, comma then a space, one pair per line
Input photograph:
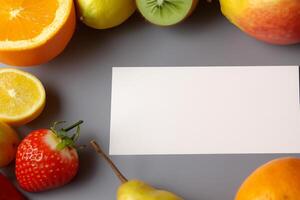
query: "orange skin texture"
275, 21
45, 52
276, 180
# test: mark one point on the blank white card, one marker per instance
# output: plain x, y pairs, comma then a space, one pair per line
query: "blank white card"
205, 110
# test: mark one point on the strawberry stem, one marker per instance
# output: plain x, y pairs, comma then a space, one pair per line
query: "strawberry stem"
100, 152
72, 126
66, 141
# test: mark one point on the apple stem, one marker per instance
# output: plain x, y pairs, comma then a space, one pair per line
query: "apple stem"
101, 153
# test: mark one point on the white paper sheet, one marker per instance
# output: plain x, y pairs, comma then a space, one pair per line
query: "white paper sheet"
205, 110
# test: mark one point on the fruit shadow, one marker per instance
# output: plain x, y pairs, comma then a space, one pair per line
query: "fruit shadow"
88, 44
8, 171
88, 166
204, 15
92, 167
50, 113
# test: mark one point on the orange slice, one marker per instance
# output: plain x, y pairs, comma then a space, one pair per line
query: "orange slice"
33, 32
22, 97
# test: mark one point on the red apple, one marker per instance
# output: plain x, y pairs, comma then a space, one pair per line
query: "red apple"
272, 21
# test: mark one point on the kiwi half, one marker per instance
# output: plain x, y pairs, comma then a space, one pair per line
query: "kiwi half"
166, 12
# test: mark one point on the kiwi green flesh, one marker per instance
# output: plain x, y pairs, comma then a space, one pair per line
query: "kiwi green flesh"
165, 12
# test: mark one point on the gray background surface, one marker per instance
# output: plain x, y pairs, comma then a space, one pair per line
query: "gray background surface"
78, 85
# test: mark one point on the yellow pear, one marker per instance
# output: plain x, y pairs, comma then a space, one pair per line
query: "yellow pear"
134, 189
9, 141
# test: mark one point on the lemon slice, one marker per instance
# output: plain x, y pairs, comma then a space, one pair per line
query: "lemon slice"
22, 97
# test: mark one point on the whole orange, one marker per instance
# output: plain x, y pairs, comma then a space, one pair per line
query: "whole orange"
276, 180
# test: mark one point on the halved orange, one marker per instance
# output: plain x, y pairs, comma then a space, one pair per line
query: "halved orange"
33, 32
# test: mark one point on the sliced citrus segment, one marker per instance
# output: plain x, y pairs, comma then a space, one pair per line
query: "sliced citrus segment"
33, 32
22, 97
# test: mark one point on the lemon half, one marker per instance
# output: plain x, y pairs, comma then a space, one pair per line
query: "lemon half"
22, 96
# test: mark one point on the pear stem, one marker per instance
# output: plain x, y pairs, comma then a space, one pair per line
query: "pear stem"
101, 153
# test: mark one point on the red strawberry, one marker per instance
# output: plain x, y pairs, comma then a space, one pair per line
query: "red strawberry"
8, 191
47, 159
